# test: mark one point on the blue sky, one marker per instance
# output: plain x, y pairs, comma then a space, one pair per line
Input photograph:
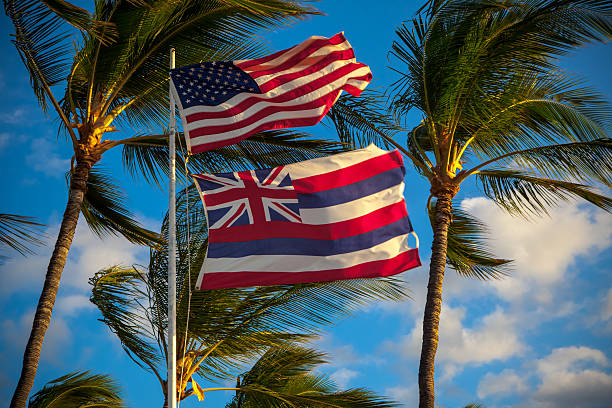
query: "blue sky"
541, 338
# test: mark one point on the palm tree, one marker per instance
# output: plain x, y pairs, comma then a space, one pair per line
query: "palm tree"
283, 378
78, 390
496, 106
218, 331
112, 67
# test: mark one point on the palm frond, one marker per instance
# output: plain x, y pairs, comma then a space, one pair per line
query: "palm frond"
104, 211
522, 193
580, 161
78, 390
361, 121
283, 378
132, 72
20, 233
82, 20
461, 61
121, 295
147, 155
42, 43
467, 250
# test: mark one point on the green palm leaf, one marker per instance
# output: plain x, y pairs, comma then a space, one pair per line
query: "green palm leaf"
523, 193
78, 390
283, 378
20, 233
468, 252
147, 156
104, 211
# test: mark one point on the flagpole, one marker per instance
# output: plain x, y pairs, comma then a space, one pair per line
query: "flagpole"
172, 253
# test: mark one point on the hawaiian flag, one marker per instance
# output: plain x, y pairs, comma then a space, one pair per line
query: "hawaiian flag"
224, 102
331, 218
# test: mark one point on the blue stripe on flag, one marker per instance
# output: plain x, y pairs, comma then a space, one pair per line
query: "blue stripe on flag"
306, 246
354, 191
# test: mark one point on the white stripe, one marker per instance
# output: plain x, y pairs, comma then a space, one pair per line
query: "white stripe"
321, 165
282, 89
311, 60
307, 263
353, 209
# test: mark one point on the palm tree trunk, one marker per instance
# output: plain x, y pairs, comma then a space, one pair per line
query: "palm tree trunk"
42, 317
431, 318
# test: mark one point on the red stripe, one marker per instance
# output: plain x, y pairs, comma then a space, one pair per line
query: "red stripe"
283, 229
322, 65
387, 267
290, 95
335, 40
278, 124
348, 175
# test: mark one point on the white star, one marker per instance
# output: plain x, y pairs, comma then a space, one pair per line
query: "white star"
188, 100
208, 78
212, 97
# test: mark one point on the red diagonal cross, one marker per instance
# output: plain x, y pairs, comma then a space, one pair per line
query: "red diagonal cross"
253, 192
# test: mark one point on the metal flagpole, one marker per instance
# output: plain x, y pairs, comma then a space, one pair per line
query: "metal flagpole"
172, 254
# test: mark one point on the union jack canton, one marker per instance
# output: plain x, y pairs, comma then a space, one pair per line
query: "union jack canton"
249, 197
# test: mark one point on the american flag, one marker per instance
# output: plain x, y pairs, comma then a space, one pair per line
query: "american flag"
224, 102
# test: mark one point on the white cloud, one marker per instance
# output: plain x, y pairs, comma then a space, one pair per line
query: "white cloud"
343, 377
15, 335
508, 382
343, 355
543, 249
87, 255
408, 396
607, 311
17, 116
4, 139
572, 377
43, 157
73, 304
494, 337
